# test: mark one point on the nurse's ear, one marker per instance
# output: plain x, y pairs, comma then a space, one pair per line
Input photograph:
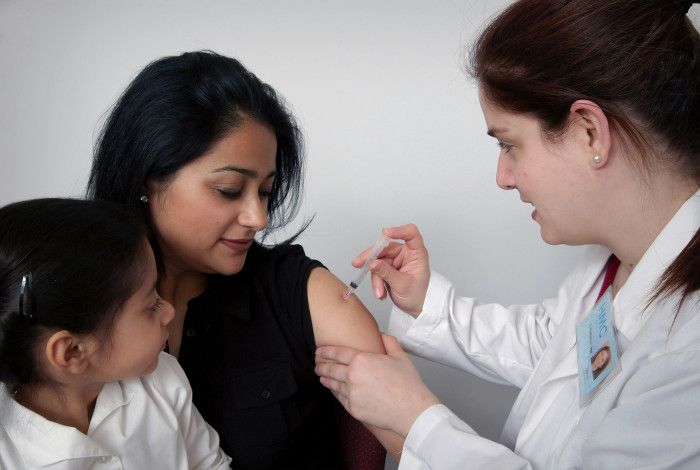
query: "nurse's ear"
591, 129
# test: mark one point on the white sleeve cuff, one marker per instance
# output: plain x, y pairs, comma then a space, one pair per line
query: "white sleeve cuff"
403, 325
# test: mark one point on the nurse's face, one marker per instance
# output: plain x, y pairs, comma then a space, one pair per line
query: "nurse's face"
549, 176
205, 218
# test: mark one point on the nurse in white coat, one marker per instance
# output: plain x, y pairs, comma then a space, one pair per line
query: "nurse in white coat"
596, 108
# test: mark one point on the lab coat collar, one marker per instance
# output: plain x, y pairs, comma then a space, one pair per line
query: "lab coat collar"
630, 302
59, 442
627, 307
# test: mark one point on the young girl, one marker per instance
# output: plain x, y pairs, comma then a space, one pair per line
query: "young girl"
83, 381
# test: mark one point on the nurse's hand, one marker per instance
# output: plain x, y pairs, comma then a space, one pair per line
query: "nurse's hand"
380, 390
403, 267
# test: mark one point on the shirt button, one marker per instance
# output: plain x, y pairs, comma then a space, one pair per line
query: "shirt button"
266, 394
191, 332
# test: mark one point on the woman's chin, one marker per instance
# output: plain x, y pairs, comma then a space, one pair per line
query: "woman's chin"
232, 266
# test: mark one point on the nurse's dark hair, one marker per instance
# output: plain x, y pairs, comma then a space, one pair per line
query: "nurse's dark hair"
639, 60
175, 110
86, 258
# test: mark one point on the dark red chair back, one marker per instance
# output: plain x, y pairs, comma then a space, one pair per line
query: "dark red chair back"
359, 448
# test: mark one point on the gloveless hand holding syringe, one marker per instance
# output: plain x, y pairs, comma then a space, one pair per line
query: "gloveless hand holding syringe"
380, 244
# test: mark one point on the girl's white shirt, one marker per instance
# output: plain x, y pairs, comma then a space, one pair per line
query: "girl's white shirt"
141, 423
645, 416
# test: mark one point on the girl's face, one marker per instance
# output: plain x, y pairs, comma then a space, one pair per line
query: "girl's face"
550, 176
207, 215
139, 332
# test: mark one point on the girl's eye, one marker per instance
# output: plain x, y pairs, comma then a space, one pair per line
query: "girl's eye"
505, 147
156, 305
265, 193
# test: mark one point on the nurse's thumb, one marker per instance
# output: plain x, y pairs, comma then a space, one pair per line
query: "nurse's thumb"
392, 346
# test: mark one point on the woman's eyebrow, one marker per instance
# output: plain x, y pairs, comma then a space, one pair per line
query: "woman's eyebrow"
243, 171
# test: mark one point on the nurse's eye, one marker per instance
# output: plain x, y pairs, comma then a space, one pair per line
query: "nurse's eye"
504, 147
228, 193
265, 193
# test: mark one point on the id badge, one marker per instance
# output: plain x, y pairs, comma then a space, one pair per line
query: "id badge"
596, 347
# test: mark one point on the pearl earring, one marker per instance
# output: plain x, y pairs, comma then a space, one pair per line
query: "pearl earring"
597, 160
144, 199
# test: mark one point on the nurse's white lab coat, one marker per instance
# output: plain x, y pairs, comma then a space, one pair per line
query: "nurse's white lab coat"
646, 416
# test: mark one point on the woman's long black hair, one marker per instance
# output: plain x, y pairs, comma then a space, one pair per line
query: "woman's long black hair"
175, 110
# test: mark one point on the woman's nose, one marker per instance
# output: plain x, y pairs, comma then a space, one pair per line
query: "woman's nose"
254, 213
504, 174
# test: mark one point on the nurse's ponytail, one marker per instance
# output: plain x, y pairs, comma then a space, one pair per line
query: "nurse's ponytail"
639, 60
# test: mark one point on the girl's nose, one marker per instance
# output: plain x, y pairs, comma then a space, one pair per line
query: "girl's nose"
168, 312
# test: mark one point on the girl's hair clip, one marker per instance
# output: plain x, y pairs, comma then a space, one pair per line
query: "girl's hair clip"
26, 309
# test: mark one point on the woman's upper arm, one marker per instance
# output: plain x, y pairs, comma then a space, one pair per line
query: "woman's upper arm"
342, 322
337, 321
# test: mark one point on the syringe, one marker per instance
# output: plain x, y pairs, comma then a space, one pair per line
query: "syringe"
382, 243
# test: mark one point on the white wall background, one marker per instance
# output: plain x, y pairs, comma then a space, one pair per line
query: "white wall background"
393, 129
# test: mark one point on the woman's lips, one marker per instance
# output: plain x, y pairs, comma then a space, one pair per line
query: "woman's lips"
238, 245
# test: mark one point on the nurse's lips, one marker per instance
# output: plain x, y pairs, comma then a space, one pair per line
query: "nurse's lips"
534, 212
241, 244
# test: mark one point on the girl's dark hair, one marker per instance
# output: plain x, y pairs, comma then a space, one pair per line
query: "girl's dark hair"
639, 60
175, 110
86, 258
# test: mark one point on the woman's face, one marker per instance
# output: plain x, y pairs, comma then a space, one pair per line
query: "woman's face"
550, 176
207, 215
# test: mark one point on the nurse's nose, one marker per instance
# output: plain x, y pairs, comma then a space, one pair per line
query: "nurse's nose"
504, 175
254, 213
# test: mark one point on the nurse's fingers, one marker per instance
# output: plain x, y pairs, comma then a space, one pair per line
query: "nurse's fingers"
331, 370
338, 354
336, 387
391, 251
409, 233
383, 277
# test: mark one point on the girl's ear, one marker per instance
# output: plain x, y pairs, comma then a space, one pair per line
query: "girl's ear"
68, 353
592, 129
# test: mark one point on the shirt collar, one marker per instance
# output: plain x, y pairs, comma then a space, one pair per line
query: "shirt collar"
630, 302
229, 295
58, 442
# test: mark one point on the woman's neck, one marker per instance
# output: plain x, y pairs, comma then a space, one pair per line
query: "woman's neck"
179, 287
638, 217
68, 405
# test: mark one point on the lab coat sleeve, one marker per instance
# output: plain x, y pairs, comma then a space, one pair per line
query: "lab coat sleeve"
201, 440
654, 424
497, 343
440, 440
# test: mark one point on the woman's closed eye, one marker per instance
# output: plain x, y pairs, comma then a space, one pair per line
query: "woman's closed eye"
265, 193
229, 193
